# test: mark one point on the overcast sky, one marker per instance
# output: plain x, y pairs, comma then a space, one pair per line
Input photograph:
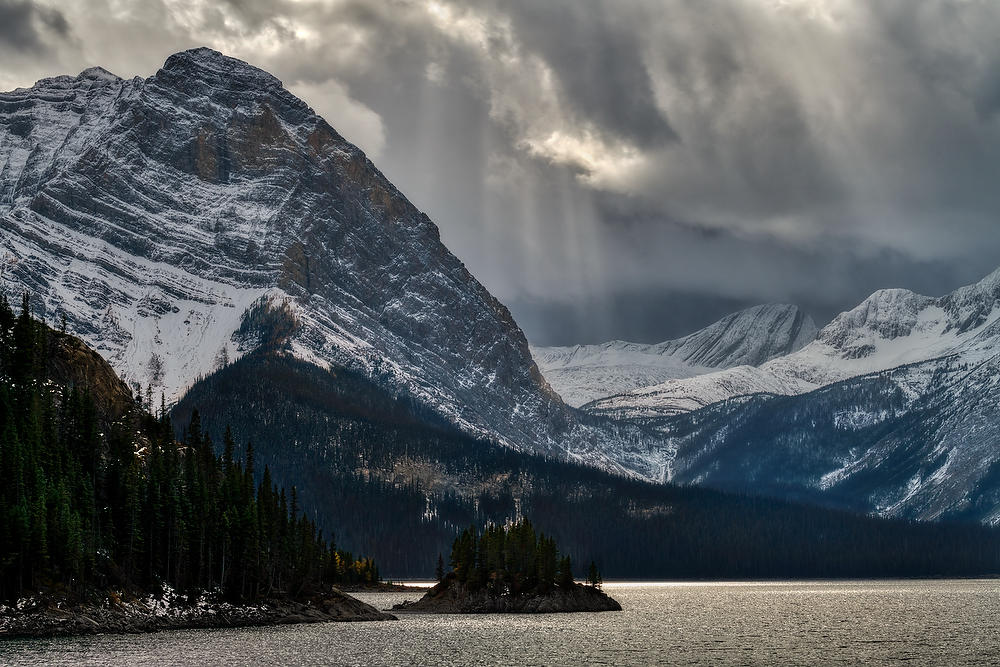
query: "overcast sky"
626, 169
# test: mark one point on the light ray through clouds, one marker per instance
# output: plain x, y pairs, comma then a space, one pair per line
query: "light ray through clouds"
609, 158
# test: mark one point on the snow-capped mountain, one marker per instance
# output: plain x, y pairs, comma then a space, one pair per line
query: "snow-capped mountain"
892, 409
583, 373
917, 441
168, 217
160, 214
891, 328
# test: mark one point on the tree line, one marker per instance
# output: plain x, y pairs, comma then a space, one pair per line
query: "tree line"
90, 502
512, 560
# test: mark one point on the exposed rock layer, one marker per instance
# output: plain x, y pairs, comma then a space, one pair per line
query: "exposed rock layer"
70, 363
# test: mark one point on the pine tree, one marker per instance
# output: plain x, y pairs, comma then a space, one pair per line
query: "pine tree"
594, 576
548, 556
565, 577
228, 449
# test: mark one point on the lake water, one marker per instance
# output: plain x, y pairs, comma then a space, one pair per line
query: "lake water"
873, 622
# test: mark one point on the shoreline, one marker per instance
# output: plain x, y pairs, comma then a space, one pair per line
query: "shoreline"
47, 618
385, 587
790, 580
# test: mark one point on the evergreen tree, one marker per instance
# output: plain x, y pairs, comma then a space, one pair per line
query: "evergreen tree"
508, 560
594, 576
565, 576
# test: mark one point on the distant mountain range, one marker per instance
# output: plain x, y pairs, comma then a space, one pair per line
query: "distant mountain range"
583, 373
891, 328
194, 218
893, 408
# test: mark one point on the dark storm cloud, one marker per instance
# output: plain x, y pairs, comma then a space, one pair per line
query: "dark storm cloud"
644, 316
629, 168
599, 63
22, 25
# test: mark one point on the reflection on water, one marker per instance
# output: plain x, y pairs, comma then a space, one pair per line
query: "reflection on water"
873, 622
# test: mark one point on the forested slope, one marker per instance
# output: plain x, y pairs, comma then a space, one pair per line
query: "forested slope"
98, 494
395, 482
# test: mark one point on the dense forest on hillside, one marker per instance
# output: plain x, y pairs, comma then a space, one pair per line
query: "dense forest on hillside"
100, 496
398, 483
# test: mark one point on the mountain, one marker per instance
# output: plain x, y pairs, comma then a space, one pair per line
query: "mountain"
892, 410
393, 481
891, 328
171, 218
205, 219
583, 373
918, 441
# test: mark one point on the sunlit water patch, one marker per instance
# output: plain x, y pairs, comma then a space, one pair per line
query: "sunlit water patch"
873, 622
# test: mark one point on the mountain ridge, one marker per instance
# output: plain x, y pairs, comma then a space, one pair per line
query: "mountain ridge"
182, 221
889, 329
583, 373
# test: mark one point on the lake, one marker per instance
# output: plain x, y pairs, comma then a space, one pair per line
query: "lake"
947, 622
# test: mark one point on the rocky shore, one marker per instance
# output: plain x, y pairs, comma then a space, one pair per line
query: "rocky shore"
49, 617
452, 597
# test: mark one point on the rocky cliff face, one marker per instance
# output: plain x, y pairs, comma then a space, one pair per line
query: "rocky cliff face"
159, 214
70, 363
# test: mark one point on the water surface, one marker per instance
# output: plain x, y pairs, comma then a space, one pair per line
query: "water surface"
946, 622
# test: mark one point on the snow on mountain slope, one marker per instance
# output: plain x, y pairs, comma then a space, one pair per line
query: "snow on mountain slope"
680, 396
155, 213
916, 441
583, 373
891, 328
162, 216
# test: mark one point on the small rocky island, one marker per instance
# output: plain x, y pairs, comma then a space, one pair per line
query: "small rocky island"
510, 570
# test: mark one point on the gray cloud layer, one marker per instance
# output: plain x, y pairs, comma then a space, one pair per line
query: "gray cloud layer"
23, 26
605, 167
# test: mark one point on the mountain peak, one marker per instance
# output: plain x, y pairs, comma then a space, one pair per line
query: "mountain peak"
180, 223
886, 314
748, 337
98, 74
217, 68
